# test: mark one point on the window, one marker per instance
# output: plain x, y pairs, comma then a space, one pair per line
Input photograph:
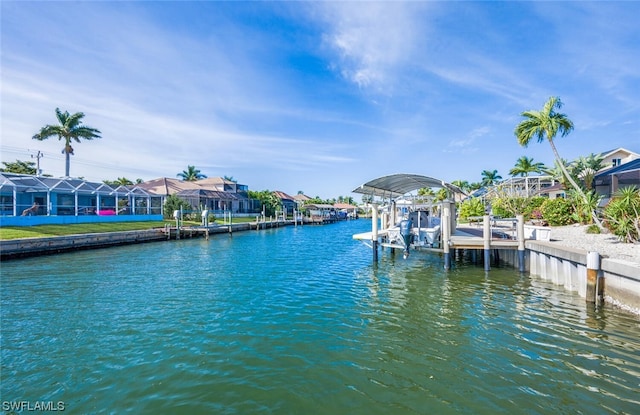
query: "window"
617, 162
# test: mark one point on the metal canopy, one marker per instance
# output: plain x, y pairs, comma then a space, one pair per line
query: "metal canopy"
397, 185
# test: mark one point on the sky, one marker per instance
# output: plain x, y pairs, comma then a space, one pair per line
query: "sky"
318, 97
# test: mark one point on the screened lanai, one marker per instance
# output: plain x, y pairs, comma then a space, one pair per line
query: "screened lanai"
24, 195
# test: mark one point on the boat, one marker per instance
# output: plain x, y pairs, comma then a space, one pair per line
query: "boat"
407, 221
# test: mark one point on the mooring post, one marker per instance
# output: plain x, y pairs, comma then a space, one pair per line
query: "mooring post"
486, 234
593, 268
446, 234
374, 230
520, 238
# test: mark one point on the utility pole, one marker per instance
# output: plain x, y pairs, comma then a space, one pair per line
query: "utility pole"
38, 157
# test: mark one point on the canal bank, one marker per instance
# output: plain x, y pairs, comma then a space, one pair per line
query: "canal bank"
28, 247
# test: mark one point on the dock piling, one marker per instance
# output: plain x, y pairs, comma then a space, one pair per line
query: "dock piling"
520, 238
486, 235
593, 268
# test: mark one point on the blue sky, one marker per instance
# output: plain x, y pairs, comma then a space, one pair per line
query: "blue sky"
315, 96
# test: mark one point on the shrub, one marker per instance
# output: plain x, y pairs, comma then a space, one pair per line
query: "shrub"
557, 212
509, 207
622, 214
471, 207
593, 229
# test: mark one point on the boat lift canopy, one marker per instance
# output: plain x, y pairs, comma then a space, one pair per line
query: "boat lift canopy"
397, 185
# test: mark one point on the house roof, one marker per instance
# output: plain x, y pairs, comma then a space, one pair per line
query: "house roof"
301, 197
633, 165
615, 150
344, 206
397, 185
282, 195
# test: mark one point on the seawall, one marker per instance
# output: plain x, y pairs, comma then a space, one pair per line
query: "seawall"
619, 280
27, 247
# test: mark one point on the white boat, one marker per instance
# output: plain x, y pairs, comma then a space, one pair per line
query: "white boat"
407, 221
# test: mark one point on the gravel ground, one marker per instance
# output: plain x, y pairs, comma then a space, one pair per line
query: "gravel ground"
607, 245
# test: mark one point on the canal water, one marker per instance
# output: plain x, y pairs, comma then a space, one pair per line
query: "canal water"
300, 321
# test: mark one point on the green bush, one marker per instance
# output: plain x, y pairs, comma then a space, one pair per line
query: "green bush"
471, 207
622, 214
557, 212
173, 202
509, 207
593, 229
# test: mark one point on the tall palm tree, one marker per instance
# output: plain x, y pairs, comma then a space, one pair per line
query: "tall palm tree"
547, 123
70, 128
489, 178
191, 174
462, 184
523, 167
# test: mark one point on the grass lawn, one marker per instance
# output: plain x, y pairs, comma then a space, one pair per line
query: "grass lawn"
43, 231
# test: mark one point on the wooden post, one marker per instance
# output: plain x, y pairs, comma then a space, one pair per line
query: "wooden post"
374, 230
520, 238
486, 234
593, 268
446, 236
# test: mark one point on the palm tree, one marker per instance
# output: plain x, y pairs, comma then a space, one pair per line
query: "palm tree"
586, 168
547, 123
120, 181
523, 167
462, 184
70, 128
489, 178
191, 174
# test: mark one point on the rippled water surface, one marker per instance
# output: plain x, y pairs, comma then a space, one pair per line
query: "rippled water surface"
299, 320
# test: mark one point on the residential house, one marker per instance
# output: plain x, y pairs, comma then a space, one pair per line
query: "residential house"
288, 202
216, 194
27, 200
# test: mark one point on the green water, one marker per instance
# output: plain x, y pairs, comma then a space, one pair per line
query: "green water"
299, 321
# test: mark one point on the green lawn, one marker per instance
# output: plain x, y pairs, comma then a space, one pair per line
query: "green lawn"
42, 231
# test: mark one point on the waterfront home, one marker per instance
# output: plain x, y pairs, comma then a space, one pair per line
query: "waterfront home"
27, 200
216, 194
288, 203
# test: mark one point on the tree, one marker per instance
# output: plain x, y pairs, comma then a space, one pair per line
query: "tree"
269, 201
19, 167
230, 178
489, 178
191, 174
463, 185
70, 128
547, 123
523, 167
120, 181
586, 168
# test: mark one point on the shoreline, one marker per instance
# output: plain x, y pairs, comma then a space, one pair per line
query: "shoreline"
606, 244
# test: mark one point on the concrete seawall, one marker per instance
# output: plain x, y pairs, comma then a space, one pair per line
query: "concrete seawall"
20, 248
26, 247
568, 267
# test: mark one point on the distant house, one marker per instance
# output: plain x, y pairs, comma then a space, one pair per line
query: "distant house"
617, 157
216, 194
288, 202
301, 199
345, 210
